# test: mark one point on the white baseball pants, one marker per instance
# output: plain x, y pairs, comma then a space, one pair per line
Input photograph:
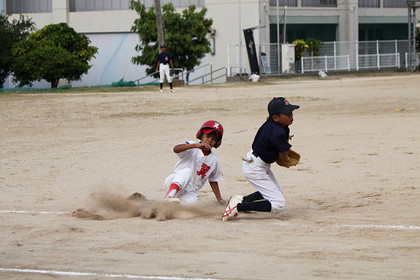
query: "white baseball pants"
187, 194
259, 174
164, 70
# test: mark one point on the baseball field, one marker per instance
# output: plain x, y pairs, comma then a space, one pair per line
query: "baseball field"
69, 160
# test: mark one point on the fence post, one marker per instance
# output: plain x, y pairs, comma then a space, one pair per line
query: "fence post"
335, 55
228, 58
357, 55
301, 65
348, 63
211, 73
312, 63
326, 63
378, 59
396, 54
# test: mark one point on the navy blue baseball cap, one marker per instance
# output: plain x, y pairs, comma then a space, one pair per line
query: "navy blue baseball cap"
162, 46
279, 105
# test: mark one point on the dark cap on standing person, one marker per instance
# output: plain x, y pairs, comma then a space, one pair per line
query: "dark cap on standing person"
162, 46
279, 105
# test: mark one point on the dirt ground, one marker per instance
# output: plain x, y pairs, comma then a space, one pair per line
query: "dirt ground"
353, 202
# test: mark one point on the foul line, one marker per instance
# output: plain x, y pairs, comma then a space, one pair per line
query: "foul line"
101, 275
396, 227
379, 226
33, 212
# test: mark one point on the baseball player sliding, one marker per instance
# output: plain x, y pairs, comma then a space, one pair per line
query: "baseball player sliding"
164, 58
197, 163
271, 144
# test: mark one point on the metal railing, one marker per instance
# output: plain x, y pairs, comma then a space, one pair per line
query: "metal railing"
213, 74
378, 61
325, 63
179, 74
361, 55
210, 76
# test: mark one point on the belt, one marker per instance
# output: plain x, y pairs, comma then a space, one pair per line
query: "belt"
164, 63
255, 154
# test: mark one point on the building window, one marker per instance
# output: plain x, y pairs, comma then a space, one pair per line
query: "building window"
105, 5
368, 3
183, 3
395, 4
98, 5
28, 6
319, 3
282, 3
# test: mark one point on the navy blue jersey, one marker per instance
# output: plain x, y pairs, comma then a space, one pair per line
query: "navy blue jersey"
270, 140
164, 57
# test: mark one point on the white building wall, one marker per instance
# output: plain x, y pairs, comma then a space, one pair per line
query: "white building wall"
102, 21
229, 21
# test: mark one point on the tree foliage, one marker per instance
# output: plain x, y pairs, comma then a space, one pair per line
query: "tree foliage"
185, 35
11, 33
300, 47
313, 46
52, 53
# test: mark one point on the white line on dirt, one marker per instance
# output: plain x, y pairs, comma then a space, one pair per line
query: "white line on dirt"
399, 227
100, 275
33, 212
396, 227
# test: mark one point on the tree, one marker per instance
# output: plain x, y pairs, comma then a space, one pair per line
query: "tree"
11, 33
313, 46
52, 53
300, 47
185, 36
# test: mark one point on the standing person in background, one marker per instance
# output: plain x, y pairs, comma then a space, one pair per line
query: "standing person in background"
164, 58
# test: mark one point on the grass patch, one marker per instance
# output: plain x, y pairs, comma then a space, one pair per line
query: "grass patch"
141, 88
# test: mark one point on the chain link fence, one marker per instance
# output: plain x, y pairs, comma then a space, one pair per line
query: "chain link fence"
333, 56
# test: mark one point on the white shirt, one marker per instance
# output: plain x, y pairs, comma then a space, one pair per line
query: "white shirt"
204, 167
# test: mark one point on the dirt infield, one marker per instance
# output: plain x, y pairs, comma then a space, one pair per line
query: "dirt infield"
353, 203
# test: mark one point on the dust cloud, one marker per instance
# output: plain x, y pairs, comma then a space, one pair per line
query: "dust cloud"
104, 205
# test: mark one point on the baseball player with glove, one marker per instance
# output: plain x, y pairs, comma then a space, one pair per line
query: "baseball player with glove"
197, 163
271, 144
164, 59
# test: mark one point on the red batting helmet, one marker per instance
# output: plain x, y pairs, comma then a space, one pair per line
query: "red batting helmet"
210, 126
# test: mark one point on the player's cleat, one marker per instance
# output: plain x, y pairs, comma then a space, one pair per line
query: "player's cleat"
160, 90
172, 90
231, 209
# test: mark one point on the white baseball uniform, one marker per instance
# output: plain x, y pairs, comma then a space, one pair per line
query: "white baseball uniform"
164, 70
259, 174
192, 171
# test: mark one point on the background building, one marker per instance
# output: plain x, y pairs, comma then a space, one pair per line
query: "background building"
108, 22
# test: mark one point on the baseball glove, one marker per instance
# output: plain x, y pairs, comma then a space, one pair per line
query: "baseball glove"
292, 159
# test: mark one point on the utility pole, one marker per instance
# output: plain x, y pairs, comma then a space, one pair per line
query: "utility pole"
412, 5
158, 11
